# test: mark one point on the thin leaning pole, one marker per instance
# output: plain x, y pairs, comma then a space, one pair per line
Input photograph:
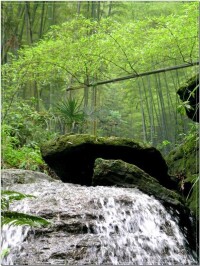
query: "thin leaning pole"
134, 76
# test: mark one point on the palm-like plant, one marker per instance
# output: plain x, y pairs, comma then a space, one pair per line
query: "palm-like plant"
17, 218
71, 112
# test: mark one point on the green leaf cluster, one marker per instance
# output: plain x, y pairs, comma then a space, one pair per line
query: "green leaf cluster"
70, 111
14, 156
17, 218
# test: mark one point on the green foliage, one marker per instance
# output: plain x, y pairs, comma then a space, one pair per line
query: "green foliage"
25, 157
191, 139
5, 253
24, 123
23, 130
86, 47
183, 106
70, 111
17, 218
194, 182
163, 144
7, 197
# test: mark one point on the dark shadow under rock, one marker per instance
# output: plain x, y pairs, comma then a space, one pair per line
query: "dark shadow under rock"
72, 157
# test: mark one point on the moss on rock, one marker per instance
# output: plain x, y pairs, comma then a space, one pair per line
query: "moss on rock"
189, 92
64, 142
183, 162
122, 174
72, 156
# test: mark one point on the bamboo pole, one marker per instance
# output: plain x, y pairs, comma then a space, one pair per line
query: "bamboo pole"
135, 76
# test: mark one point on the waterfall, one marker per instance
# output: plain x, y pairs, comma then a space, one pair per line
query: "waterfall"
11, 239
96, 225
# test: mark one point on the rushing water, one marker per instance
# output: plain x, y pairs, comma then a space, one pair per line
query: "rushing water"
95, 225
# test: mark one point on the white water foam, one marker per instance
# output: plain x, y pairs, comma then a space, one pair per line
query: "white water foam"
138, 231
125, 227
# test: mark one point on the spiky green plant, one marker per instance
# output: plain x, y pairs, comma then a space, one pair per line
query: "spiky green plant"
17, 218
70, 111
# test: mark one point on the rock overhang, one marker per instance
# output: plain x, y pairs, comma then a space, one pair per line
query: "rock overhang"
72, 157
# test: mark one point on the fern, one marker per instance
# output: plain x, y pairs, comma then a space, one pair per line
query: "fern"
4, 253
7, 196
17, 218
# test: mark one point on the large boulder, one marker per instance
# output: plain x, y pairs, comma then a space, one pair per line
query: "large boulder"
190, 93
72, 157
20, 176
121, 174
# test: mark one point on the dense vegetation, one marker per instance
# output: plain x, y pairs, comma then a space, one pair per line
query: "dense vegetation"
55, 53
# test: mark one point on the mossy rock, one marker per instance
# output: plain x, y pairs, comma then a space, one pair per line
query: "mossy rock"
192, 197
184, 158
190, 92
121, 174
72, 157
184, 161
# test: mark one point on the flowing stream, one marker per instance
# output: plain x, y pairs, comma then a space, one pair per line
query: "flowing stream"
95, 225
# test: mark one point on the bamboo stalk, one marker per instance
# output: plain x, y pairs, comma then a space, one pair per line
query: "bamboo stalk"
135, 75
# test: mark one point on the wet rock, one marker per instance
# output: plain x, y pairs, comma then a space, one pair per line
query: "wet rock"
72, 157
98, 225
18, 176
190, 93
121, 174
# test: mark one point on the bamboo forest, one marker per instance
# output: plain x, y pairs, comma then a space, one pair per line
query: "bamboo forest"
100, 118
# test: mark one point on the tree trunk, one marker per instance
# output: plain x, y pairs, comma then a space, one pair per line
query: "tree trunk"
78, 7
109, 8
143, 113
88, 9
151, 110
28, 23
93, 10
98, 10
94, 103
42, 20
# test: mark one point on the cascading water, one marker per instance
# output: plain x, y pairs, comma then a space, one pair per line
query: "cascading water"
96, 225
12, 237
